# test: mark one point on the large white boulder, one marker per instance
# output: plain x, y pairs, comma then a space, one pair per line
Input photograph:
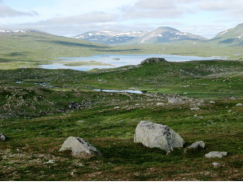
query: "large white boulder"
157, 136
79, 147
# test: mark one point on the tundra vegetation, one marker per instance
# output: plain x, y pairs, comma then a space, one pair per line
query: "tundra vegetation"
40, 109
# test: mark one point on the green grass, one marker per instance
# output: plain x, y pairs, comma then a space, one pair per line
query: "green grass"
37, 120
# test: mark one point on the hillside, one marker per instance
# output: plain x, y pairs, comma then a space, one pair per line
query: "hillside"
231, 37
30, 48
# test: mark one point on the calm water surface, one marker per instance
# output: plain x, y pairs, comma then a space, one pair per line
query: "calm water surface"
118, 60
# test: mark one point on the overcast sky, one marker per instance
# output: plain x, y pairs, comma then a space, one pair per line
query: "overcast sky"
72, 17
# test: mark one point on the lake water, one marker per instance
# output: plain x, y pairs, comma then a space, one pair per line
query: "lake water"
118, 60
129, 91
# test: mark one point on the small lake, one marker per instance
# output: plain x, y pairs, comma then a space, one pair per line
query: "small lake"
117, 60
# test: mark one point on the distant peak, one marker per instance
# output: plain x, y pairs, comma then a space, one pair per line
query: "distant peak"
240, 25
167, 28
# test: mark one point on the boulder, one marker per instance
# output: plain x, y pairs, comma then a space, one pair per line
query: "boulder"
79, 147
196, 145
215, 154
3, 137
154, 135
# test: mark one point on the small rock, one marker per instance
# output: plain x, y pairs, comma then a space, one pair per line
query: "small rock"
211, 102
197, 144
117, 107
239, 104
80, 121
2, 137
216, 164
195, 109
215, 154
160, 104
196, 116
185, 93
50, 162
229, 111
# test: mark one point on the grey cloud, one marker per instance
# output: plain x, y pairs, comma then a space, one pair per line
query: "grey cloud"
158, 9
155, 4
95, 17
6, 11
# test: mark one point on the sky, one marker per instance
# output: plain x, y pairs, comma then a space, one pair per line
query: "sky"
73, 17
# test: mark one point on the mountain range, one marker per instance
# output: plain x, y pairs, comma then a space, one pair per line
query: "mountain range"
161, 35
233, 36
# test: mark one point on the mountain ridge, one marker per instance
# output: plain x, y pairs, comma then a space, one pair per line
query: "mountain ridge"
162, 34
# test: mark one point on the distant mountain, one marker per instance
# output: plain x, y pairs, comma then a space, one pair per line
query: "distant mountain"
160, 35
233, 36
18, 31
110, 37
166, 35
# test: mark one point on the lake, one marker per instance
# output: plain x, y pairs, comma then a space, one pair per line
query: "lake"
117, 60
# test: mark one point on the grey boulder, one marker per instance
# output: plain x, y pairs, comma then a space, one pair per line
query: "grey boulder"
215, 154
154, 135
79, 147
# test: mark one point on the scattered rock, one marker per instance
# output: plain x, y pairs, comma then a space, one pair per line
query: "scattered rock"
216, 164
215, 154
160, 104
211, 102
185, 93
117, 107
196, 145
239, 104
79, 147
196, 116
157, 135
174, 100
195, 109
3, 137
80, 121
50, 162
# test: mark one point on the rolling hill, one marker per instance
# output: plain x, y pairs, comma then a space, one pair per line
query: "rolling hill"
233, 36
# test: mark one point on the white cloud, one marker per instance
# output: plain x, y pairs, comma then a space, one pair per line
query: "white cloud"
6, 11
155, 4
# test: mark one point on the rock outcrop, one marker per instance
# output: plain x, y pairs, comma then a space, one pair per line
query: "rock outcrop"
157, 136
79, 147
153, 60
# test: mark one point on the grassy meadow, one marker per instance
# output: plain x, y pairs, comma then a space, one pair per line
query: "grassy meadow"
40, 108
